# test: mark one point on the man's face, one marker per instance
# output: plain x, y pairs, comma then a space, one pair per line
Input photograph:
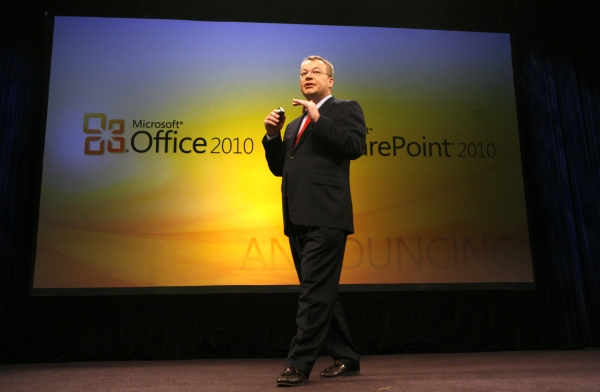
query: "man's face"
315, 84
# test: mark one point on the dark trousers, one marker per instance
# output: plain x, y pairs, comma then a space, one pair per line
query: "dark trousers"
318, 254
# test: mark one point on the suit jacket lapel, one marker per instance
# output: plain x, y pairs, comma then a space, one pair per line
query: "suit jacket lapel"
327, 105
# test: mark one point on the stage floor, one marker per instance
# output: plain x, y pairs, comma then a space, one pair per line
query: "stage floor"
577, 370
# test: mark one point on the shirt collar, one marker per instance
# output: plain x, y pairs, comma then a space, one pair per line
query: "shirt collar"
321, 102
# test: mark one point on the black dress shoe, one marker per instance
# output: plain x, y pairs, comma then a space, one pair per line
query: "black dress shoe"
291, 377
338, 369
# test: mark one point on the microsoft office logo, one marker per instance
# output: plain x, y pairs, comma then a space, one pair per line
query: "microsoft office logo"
103, 136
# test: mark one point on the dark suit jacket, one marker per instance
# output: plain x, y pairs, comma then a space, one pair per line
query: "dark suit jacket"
316, 172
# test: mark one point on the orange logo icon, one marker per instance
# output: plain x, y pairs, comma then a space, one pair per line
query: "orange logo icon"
103, 135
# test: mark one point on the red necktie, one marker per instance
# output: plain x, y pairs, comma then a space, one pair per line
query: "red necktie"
302, 130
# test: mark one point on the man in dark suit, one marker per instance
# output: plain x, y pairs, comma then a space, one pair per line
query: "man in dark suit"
313, 160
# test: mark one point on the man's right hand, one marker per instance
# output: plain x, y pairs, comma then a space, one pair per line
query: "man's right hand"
274, 122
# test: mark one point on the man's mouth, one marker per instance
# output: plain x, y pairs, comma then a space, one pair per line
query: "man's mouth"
308, 85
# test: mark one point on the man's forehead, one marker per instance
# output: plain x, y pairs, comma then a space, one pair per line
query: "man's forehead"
313, 63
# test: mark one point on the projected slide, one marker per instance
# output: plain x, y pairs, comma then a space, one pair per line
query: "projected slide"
154, 174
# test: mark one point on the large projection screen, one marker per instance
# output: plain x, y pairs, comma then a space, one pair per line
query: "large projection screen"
154, 174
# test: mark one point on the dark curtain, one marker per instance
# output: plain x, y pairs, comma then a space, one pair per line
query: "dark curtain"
558, 102
561, 143
21, 53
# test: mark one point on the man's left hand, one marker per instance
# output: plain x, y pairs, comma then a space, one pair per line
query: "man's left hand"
311, 108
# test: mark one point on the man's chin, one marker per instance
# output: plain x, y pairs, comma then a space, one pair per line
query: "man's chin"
310, 96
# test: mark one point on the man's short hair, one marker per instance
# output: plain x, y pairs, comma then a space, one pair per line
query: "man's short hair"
319, 58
